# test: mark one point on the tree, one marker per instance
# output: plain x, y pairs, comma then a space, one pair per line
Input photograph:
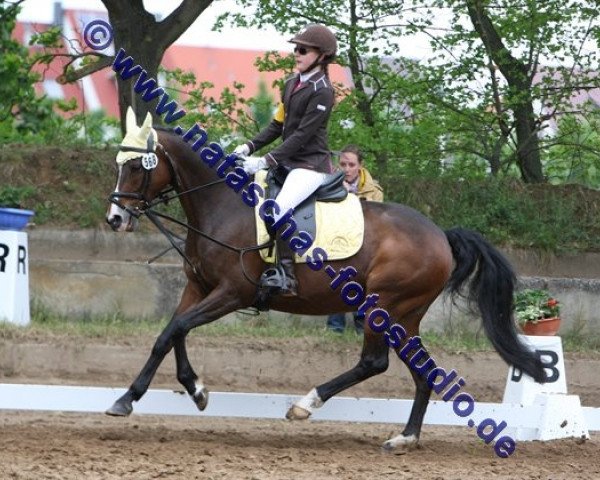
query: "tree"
524, 60
16, 78
262, 106
24, 116
373, 103
144, 39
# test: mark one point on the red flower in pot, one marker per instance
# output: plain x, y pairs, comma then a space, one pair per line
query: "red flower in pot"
537, 311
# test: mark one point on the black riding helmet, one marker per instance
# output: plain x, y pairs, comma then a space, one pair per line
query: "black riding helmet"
319, 37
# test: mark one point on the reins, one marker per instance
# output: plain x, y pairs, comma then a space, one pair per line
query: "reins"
164, 197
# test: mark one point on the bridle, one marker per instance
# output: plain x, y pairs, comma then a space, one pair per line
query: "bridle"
149, 163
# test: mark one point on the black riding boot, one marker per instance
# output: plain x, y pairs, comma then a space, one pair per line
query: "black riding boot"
286, 260
280, 279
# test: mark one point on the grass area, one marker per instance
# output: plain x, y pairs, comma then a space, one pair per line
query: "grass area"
68, 187
555, 218
458, 337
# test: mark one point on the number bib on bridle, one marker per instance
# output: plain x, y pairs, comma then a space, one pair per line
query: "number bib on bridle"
149, 161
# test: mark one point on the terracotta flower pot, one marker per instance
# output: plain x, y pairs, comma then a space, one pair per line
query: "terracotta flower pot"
543, 327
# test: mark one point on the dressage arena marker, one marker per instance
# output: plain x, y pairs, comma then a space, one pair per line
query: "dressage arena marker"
14, 277
550, 398
526, 418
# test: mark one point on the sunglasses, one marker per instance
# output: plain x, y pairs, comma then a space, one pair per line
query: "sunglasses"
302, 50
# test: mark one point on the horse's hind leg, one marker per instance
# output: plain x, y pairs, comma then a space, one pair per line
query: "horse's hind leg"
373, 361
412, 431
419, 363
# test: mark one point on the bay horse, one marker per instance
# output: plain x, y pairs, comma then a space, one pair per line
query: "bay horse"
405, 259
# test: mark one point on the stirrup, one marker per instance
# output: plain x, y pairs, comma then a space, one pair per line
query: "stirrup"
276, 281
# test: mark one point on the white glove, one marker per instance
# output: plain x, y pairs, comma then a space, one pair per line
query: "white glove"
242, 150
254, 164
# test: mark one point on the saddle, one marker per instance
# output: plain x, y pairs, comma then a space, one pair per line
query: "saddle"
332, 217
339, 223
331, 190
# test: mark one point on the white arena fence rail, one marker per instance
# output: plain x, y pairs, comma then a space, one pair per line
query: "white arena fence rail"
267, 406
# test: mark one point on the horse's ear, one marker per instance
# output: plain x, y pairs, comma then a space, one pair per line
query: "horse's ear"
130, 123
146, 126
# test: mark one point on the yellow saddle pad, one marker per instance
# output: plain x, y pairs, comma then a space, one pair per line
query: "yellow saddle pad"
340, 227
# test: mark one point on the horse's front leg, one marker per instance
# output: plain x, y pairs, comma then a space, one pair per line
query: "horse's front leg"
187, 377
217, 304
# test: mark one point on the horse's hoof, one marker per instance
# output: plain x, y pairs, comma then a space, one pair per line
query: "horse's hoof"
387, 446
121, 408
297, 413
201, 398
409, 442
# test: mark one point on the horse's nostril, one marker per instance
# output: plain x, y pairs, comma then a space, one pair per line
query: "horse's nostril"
115, 221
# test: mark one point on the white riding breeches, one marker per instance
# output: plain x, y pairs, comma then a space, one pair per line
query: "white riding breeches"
298, 186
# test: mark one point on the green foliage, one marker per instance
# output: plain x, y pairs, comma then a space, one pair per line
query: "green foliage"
544, 59
28, 118
262, 106
454, 113
231, 115
575, 157
68, 187
535, 304
24, 116
553, 218
95, 128
13, 197
41, 125
16, 78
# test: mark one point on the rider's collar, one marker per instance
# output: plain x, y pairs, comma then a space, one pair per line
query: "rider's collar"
304, 77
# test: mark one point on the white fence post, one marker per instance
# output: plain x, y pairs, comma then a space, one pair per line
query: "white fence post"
14, 277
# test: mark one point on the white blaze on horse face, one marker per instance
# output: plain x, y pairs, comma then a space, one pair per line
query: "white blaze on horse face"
135, 140
116, 211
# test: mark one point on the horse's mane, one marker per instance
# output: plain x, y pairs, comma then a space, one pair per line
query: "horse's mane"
171, 132
163, 128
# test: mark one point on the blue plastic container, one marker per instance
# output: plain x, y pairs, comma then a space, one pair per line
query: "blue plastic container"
14, 218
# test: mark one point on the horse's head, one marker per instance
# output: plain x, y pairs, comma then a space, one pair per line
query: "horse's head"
142, 174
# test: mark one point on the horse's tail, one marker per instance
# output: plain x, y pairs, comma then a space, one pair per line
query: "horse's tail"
492, 289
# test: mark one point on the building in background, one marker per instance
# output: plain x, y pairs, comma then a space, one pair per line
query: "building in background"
98, 91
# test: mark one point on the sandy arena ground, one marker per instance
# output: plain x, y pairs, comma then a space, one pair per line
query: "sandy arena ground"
66, 446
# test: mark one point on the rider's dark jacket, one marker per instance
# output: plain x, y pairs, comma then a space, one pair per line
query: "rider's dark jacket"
301, 120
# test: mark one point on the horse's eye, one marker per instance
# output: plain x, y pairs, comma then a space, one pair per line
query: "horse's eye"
136, 165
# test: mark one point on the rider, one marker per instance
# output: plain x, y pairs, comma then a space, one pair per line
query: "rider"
301, 120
